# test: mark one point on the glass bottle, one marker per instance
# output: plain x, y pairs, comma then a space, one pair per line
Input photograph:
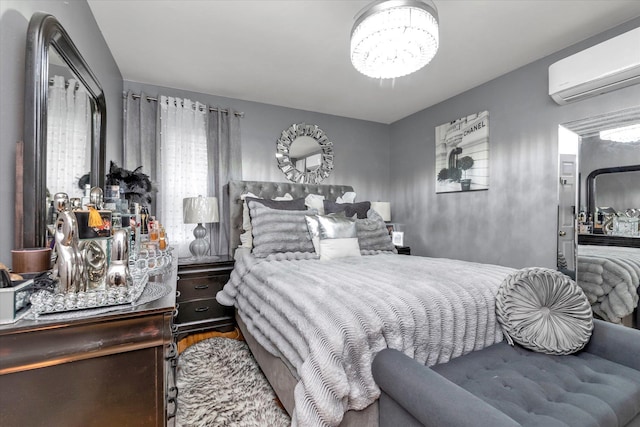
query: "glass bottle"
162, 236
144, 221
153, 231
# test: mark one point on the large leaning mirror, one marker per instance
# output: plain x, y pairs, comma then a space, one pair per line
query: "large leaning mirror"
304, 153
599, 211
65, 124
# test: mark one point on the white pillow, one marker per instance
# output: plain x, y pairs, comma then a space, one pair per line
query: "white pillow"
348, 197
337, 237
339, 248
246, 238
315, 201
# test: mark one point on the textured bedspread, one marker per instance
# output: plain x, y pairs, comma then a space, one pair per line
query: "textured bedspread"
328, 319
610, 277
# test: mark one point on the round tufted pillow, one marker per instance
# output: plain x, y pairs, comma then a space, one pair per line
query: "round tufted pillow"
545, 311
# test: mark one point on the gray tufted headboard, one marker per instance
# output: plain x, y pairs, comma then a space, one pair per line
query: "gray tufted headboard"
269, 190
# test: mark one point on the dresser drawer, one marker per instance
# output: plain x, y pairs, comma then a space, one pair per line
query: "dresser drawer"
205, 309
200, 286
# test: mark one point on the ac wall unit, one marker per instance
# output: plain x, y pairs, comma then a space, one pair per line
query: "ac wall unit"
607, 66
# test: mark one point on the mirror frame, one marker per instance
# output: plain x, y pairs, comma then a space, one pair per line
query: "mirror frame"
44, 32
591, 183
283, 148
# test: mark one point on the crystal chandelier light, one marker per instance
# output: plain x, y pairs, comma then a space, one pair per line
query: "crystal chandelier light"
622, 134
394, 38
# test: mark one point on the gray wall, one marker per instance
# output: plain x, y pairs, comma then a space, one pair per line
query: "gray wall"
78, 21
514, 222
361, 148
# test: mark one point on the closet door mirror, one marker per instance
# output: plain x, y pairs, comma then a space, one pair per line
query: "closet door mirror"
599, 209
65, 125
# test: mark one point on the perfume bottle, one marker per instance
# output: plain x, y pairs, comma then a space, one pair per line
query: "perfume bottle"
144, 221
86, 198
162, 236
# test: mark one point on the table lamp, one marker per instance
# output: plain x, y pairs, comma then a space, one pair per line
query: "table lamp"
199, 210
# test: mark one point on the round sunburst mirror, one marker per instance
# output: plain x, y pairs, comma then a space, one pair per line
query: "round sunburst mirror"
304, 154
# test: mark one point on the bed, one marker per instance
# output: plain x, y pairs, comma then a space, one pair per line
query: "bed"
610, 277
314, 326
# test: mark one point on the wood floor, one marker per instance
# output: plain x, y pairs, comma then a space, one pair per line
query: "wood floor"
194, 338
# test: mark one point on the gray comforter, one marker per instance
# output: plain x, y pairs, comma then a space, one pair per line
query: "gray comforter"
328, 319
610, 277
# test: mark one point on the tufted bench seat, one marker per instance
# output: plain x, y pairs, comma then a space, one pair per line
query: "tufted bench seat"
511, 386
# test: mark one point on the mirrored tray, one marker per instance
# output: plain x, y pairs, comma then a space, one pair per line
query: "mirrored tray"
45, 302
152, 261
146, 264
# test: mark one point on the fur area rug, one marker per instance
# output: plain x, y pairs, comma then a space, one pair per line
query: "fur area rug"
220, 384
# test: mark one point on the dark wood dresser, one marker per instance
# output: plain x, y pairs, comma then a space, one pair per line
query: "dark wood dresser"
112, 369
198, 283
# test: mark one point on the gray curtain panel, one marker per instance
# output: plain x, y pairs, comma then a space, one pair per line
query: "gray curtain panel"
141, 137
225, 164
140, 131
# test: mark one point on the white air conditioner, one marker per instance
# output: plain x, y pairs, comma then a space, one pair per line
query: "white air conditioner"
607, 66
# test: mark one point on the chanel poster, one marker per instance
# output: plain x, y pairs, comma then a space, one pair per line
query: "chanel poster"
462, 154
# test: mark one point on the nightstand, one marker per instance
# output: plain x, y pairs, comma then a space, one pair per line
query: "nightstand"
198, 283
403, 250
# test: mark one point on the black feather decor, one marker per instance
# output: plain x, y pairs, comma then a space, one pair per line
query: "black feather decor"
137, 185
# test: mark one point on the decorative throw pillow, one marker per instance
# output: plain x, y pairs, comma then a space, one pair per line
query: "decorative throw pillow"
545, 311
281, 205
337, 237
246, 238
277, 230
314, 228
348, 197
338, 248
315, 201
373, 234
350, 209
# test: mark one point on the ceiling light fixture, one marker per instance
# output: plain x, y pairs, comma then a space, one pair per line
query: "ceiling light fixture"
623, 134
394, 38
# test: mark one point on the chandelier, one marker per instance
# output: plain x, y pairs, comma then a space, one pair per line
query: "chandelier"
394, 38
622, 134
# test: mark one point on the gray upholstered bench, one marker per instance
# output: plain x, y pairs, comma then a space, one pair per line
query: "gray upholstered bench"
511, 386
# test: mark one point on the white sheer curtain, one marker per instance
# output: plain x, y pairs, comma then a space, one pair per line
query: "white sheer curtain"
68, 136
183, 165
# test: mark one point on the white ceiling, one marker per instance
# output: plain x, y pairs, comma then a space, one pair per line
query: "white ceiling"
295, 53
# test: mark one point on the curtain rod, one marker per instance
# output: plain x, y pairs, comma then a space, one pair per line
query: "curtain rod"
211, 109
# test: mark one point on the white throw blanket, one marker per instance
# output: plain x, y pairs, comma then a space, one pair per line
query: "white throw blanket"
609, 276
328, 319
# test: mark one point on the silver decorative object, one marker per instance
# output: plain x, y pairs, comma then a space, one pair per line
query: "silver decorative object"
95, 259
75, 203
118, 272
69, 270
287, 162
96, 197
60, 202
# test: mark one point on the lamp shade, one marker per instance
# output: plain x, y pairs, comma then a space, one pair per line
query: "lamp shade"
383, 209
200, 210
394, 38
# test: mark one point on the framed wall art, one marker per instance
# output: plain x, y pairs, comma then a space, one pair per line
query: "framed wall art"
462, 154
397, 238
